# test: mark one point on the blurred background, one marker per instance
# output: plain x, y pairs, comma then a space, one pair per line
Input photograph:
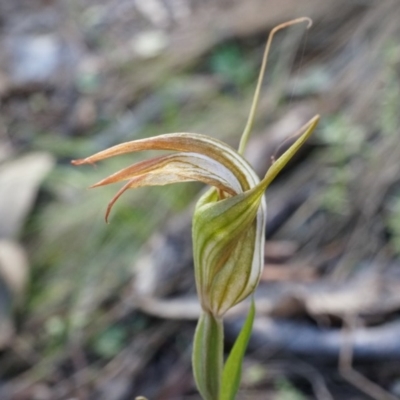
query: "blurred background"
96, 311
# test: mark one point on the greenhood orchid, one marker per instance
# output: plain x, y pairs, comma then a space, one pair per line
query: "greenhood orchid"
229, 219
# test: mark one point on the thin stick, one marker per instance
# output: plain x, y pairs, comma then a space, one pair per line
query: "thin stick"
348, 372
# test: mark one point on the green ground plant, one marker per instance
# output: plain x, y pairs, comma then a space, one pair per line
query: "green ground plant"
228, 229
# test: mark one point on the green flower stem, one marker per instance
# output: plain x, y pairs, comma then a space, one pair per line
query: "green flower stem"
208, 349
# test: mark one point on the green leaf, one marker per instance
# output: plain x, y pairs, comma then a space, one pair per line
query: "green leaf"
233, 367
207, 360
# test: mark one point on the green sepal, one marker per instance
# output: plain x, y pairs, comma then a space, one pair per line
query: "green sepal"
281, 162
232, 371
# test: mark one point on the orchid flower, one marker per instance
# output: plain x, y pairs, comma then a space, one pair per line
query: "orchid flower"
229, 219
228, 223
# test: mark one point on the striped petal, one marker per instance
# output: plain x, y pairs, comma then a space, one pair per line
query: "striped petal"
184, 142
227, 247
180, 167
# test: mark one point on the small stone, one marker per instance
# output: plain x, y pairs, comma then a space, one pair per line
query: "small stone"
149, 44
34, 58
13, 266
19, 183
